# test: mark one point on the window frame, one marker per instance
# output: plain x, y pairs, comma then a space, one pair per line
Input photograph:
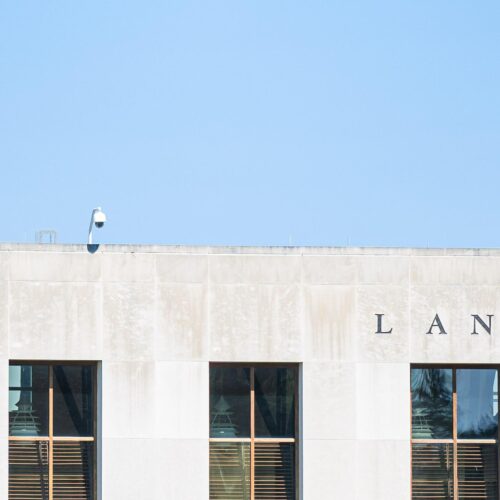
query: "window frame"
252, 440
50, 438
454, 441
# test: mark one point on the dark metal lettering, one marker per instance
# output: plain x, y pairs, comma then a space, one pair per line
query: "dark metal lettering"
379, 324
479, 320
437, 324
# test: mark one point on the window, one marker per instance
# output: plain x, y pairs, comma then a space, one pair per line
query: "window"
454, 433
253, 432
52, 431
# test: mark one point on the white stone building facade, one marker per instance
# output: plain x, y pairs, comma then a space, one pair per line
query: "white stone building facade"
153, 319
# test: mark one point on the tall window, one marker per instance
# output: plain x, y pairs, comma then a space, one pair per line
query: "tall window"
454, 433
253, 431
52, 431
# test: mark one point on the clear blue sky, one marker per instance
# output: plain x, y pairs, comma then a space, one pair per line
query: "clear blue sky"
252, 122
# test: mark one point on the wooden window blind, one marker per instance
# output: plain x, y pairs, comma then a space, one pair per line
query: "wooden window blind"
455, 433
253, 444
28, 470
274, 470
52, 431
230, 471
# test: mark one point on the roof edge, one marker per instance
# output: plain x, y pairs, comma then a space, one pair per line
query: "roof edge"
247, 250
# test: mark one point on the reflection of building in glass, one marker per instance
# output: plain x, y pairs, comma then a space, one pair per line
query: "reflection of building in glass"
23, 420
222, 424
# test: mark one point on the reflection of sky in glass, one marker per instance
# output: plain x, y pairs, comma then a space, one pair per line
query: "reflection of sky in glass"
477, 397
14, 397
14, 376
14, 381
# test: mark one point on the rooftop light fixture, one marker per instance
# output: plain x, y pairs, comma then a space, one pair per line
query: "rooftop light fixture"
98, 218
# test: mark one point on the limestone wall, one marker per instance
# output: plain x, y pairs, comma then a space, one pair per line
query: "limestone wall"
156, 316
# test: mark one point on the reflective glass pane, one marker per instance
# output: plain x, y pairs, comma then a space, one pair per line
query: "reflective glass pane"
432, 403
477, 471
432, 471
73, 470
28, 400
477, 397
274, 402
275, 471
73, 400
28, 470
229, 471
229, 402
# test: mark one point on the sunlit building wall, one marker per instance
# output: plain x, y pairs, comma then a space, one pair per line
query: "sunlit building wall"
151, 372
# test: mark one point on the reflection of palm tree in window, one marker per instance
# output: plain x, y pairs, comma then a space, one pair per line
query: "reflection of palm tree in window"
432, 393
